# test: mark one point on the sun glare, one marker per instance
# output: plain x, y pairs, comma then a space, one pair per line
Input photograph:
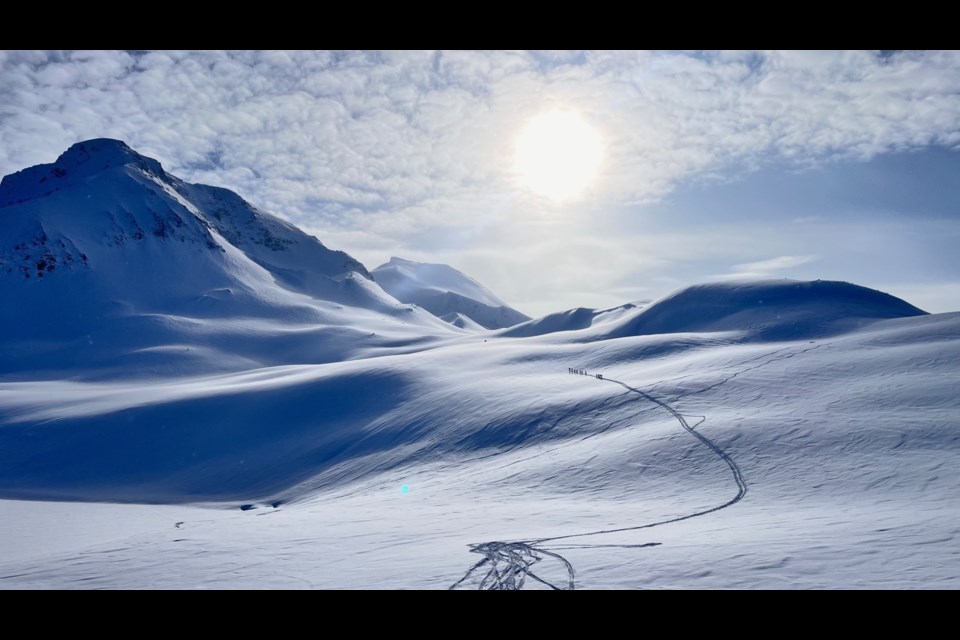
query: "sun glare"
558, 154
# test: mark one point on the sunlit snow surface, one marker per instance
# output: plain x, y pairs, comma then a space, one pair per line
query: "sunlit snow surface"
196, 394
849, 447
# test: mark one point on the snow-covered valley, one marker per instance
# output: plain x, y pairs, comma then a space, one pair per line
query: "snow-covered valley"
217, 400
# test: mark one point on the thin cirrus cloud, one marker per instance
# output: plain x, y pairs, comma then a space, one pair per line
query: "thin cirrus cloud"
411, 152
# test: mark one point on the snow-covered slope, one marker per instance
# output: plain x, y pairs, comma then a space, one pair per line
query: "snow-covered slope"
756, 310
847, 446
300, 428
127, 198
167, 343
112, 259
462, 321
764, 310
569, 320
444, 291
407, 276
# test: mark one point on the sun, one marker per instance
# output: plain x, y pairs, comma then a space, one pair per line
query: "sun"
558, 154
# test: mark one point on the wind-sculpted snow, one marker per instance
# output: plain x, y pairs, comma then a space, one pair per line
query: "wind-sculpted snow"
848, 445
115, 263
508, 564
262, 419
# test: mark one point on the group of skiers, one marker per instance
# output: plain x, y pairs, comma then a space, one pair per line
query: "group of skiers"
581, 372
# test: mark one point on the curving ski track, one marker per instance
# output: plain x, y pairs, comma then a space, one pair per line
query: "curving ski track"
508, 564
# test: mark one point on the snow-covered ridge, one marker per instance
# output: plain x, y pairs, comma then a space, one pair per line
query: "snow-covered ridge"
401, 273
162, 342
765, 310
462, 321
768, 310
81, 161
570, 320
112, 259
445, 292
99, 178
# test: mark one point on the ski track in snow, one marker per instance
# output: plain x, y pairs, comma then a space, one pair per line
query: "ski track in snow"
508, 564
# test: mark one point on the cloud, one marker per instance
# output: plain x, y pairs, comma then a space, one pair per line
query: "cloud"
772, 265
359, 132
400, 151
762, 269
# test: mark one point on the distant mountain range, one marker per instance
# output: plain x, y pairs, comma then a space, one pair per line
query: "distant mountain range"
109, 256
446, 293
113, 262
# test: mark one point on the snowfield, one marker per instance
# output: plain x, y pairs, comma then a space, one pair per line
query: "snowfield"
210, 411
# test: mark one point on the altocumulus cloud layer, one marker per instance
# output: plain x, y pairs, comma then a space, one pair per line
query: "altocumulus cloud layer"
411, 152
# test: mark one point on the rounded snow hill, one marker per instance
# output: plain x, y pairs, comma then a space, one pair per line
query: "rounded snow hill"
765, 310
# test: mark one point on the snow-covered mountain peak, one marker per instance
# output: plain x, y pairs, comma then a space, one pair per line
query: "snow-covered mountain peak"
407, 274
446, 293
99, 154
103, 237
101, 193
78, 163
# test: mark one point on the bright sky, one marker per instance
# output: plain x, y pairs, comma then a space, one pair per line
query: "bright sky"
686, 166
